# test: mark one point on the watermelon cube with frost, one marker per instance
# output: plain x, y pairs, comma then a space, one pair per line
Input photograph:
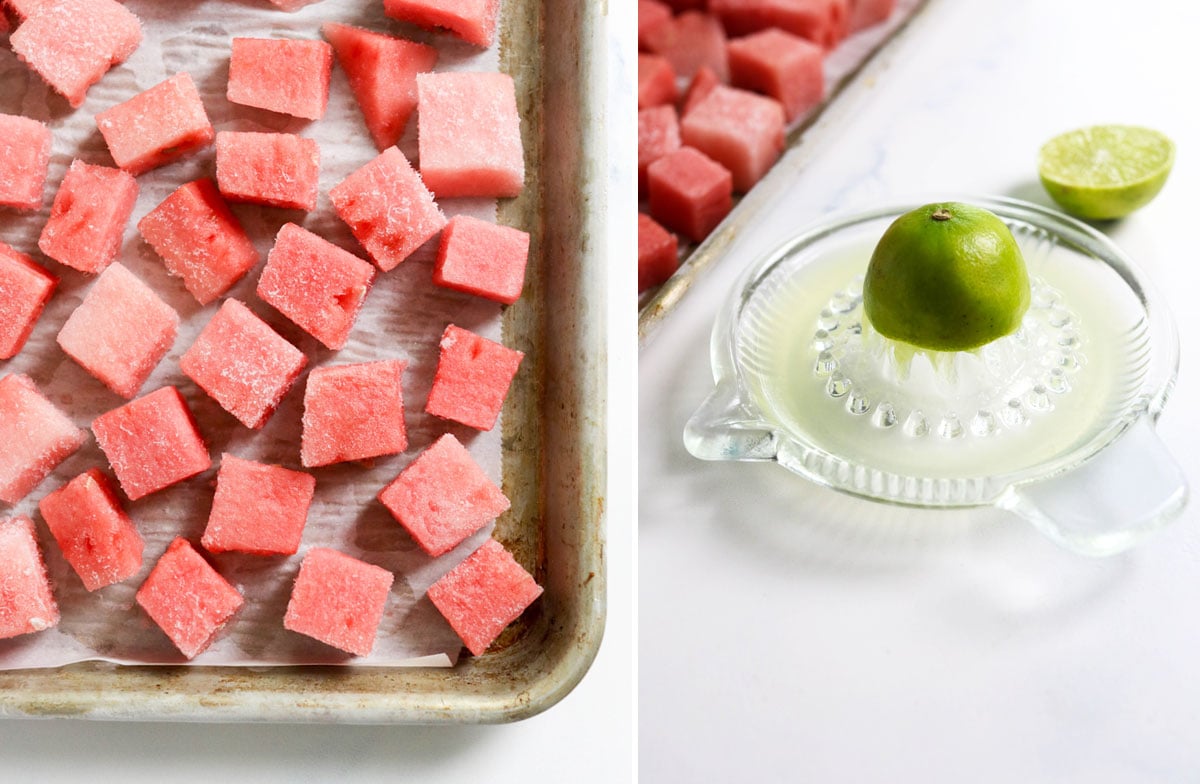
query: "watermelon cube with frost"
474, 21
689, 41
482, 258
469, 134
283, 75
316, 284
338, 600
786, 67
276, 169
87, 220
353, 412
199, 240
120, 332
187, 598
24, 161
382, 71
658, 134
472, 379
824, 22
689, 192
25, 288
257, 508
443, 497
95, 535
738, 129
656, 81
388, 208
26, 598
151, 442
658, 253
701, 85
651, 14
484, 594
35, 436
242, 363
71, 44
866, 13
156, 126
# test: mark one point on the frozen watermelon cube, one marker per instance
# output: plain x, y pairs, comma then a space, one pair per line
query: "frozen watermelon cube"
338, 600
689, 192
187, 598
199, 240
151, 442
285, 75
242, 363
484, 594
658, 134
383, 72
95, 535
701, 85
26, 599
482, 258
24, 161
469, 134
25, 288
388, 208
786, 67
87, 220
824, 22
656, 81
658, 253
650, 15
443, 497
120, 332
866, 13
353, 412
472, 379
316, 284
738, 129
689, 41
35, 436
276, 169
259, 509
474, 21
156, 126
71, 44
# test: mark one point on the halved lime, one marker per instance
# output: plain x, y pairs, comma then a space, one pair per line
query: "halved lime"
1105, 171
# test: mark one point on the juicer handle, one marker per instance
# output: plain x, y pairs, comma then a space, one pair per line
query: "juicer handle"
1108, 504
723, 429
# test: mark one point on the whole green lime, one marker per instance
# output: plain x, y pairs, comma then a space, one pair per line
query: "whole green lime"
946, 277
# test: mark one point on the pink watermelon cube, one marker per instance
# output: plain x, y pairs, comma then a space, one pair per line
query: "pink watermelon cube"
786, 67
25, 288
656, 81
316, 284
338, 600
24, 161
156, 126
71, 44
738, 129
151, 442
474, 21
26, 600
689, 192
701, 85
259, 509
472, 379
276, 169
658, 134
383, 72
199, 240
35, 436
689, 41
242, 363
824, 22
187, 598
651, 15
483, 595
867, 13
87, 221
482, 258
120, 332
388, 208
658, 253
353, 412
443, 497
282, 75
95, 535
469, 134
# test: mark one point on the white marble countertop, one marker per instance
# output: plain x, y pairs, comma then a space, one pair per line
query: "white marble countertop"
789, 633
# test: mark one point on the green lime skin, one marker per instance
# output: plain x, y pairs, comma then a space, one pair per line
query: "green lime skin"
946, 277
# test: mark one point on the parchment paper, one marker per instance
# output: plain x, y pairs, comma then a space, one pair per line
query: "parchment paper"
403, 317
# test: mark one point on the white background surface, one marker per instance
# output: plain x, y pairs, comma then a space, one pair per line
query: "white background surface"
788, 633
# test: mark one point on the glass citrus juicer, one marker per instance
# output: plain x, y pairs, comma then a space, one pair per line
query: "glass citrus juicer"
1054, 421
